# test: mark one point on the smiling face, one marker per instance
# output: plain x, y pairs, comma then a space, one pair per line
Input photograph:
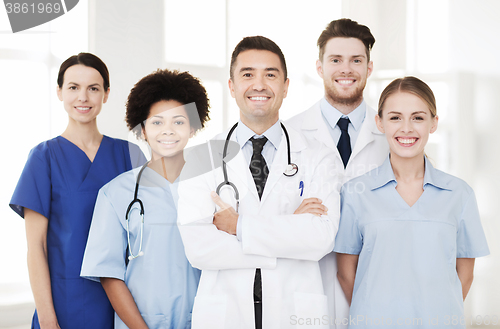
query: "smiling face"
82, 93
407, 122
167, 129
344, 69
259, 87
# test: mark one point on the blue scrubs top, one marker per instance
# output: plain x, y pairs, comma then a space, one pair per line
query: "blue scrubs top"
162, 281
60, 182
406, 275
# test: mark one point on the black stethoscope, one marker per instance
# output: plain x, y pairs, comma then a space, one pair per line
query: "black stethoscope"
291, 168
141, 212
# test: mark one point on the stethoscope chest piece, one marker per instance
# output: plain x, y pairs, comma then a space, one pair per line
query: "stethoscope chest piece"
291, 170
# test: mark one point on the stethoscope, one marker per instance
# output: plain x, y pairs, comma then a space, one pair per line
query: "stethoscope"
290, 170
141, 212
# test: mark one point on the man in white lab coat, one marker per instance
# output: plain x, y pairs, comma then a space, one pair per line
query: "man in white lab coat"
345, 123
259, 256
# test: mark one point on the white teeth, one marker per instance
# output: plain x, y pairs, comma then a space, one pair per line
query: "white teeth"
168, 143
258, 98
81, 108
407, 140
345, 82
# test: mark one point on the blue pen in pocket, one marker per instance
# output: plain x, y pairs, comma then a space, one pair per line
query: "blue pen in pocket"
301, 187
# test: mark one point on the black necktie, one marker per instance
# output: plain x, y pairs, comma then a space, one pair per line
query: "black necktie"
344, 144
259, 171
258, 166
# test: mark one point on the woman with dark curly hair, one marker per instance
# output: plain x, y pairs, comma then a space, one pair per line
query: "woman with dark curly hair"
144, 270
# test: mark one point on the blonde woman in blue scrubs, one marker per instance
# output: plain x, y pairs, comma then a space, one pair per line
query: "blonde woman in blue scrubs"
409, 233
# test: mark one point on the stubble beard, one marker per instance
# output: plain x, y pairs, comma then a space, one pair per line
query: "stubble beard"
335, 97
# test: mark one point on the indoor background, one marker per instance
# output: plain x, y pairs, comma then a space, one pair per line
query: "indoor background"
451, 44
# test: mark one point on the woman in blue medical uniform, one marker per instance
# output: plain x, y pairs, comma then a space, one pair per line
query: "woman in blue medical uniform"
56, 195
408, 233
156, 289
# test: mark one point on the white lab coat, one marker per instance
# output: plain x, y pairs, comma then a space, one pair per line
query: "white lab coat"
286, 247
369, 152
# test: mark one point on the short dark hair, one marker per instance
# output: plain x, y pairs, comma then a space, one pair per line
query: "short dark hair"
166, 85
86, 59
257, 43
346, 28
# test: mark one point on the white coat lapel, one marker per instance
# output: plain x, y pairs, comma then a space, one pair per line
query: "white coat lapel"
239, 174
276, 170
366, 135
314, 121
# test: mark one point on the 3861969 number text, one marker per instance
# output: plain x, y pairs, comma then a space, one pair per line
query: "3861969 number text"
40, 8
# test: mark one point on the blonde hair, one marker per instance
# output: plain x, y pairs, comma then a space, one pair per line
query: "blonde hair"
410, 85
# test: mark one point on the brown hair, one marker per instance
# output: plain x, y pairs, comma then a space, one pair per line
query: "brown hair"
410, 85
86, 59
346, 28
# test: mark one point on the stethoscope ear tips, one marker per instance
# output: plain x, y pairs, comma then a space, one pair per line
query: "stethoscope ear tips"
140, 254
130, 257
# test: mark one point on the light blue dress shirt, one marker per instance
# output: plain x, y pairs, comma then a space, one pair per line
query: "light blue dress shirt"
162, 281
243, 135
273, 134
331, 116
406, 274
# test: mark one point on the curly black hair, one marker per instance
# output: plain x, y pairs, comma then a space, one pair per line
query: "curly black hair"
166, 85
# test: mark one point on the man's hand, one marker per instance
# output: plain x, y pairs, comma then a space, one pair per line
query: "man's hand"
312, 206
226, 218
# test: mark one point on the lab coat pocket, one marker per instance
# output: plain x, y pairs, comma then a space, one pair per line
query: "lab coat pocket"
209, 311
312, 309
158, 321
289, 193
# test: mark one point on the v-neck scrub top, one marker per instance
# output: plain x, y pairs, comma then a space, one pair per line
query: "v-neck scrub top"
406, 275
60, 182
162, 281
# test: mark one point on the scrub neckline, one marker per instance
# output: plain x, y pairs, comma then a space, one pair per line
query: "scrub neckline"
96, 154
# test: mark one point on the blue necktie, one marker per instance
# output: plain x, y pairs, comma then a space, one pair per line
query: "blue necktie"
344, 144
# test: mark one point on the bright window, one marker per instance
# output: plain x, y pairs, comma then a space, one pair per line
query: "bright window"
29, 62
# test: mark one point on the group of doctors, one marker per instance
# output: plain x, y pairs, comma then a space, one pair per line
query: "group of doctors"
333, 215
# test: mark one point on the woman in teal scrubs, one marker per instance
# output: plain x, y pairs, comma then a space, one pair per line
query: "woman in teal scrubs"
156, 289
409, 233
56, 194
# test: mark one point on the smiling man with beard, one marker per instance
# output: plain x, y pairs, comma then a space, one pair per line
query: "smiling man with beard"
346, 124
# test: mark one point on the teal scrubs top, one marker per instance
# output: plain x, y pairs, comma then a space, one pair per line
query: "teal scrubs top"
162, 281
406, 275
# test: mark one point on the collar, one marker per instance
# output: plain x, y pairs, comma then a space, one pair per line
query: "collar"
273, 134
432, 176
435, 177
332, 115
